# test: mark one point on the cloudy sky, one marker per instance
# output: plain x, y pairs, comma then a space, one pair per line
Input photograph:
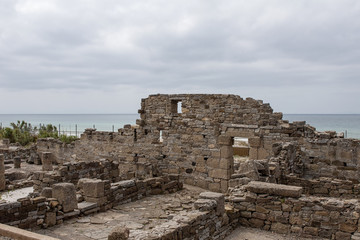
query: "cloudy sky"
92, 56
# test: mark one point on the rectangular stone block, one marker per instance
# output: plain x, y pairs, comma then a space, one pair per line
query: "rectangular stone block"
94, 188
46, 161
255, 142
220, 173
226, 152
274, 189
225, 140
65, 193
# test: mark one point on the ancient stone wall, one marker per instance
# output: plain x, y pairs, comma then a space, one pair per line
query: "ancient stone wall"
72, 172
282, 209
100, 195
192, 135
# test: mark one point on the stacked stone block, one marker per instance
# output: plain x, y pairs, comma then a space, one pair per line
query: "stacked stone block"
282, 209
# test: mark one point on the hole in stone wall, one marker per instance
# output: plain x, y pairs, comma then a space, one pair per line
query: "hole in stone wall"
193, 163
241, 150
135, 135
176, 106
345, 164
189, 170
206, 158
161, 136
146, 132
179, 107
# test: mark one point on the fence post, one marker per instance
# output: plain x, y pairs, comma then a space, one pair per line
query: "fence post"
76, 130
345, 133
113, 128
94, 126
59, 129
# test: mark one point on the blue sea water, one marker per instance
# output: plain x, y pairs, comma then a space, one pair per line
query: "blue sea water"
349, 123
72, 123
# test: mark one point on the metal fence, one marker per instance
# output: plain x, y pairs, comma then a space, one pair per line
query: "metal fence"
67, 130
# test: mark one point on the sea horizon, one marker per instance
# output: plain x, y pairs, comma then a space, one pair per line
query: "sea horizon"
76, 123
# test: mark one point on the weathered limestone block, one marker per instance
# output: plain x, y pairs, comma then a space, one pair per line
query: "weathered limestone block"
274, 189
119, 233
50, 219
220, 173
218, 197
226, 152
46, 192
2, 172
224, 140
65, 193
46, 161
254, 142
205, 204
17, 162
94, 188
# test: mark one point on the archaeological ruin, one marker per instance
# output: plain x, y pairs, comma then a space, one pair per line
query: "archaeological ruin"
195, 166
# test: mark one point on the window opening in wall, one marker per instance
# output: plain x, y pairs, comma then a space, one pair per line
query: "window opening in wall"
241, 150
179, 107
135, 135
161, 136
176, 106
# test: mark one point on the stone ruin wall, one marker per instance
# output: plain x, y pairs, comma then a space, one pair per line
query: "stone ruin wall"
197, 143
284, 209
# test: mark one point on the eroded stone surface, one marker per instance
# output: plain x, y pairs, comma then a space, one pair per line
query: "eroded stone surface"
275, 189
142, 217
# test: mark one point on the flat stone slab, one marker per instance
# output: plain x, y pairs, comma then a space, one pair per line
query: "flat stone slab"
85, 206
274, 189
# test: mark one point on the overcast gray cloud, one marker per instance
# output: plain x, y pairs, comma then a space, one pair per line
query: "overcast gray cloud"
87, 56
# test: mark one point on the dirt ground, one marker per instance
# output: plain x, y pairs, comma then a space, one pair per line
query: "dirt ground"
242, 233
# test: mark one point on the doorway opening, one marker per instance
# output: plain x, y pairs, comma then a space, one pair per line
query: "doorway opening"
241, 151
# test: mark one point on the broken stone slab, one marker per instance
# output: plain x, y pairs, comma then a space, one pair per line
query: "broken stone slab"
125, 184
119, 233
65, 193
86, 206
274, 189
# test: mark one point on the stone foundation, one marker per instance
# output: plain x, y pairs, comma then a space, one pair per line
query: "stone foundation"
286, 211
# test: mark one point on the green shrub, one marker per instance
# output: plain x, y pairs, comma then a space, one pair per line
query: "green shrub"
48, 131
67, 139
23, 133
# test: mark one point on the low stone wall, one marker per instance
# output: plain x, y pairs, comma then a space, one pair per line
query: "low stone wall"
107, 194
326, 187
23, 153
283, 209
99, 195
72, 172
207, 221
25, 212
